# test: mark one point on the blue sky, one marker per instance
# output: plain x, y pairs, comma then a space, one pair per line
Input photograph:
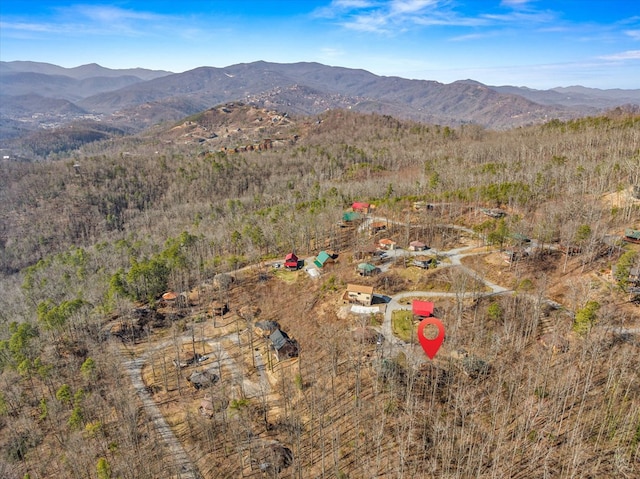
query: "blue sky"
535, 43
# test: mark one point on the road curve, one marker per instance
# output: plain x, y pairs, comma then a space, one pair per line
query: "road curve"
184, 467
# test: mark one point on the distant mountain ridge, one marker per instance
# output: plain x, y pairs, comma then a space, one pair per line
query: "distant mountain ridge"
135, 99
575, 96
79, 73
304, 83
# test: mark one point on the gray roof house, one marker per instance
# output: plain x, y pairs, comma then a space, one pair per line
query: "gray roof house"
283, 345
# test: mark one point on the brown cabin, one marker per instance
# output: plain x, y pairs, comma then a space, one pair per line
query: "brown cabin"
283, 345
218, 308
358, 294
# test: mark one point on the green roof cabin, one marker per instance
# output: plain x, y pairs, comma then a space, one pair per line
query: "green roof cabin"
322, 259
366, 269
349, 216
632, 236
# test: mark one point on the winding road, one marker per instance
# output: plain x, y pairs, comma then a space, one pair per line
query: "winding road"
393, 345
186, 469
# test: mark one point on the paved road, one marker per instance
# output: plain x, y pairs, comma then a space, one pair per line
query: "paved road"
185, 467
394, 345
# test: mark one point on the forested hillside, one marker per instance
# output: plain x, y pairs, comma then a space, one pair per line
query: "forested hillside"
90, 242
41, 96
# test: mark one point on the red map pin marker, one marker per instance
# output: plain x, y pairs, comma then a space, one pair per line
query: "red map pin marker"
431, 346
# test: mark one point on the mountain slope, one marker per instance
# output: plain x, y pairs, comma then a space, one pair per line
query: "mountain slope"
136, 99
455, 103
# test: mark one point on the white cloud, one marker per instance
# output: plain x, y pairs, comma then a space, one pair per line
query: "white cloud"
400, 15
338, 8
515, 3
109, 14
374, 22
634, 34
29, 27
474, 36
101, 20
628, 55
328, 52
399, 7
58, 28
523, 18
349, 4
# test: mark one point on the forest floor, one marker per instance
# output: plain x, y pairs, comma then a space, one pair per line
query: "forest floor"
247, 368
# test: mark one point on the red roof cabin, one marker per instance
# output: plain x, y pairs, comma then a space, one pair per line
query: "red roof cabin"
424, 309
360, 207
169, 297
386, 243
291, 261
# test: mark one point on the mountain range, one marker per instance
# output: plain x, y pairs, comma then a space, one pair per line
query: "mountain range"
36, 96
